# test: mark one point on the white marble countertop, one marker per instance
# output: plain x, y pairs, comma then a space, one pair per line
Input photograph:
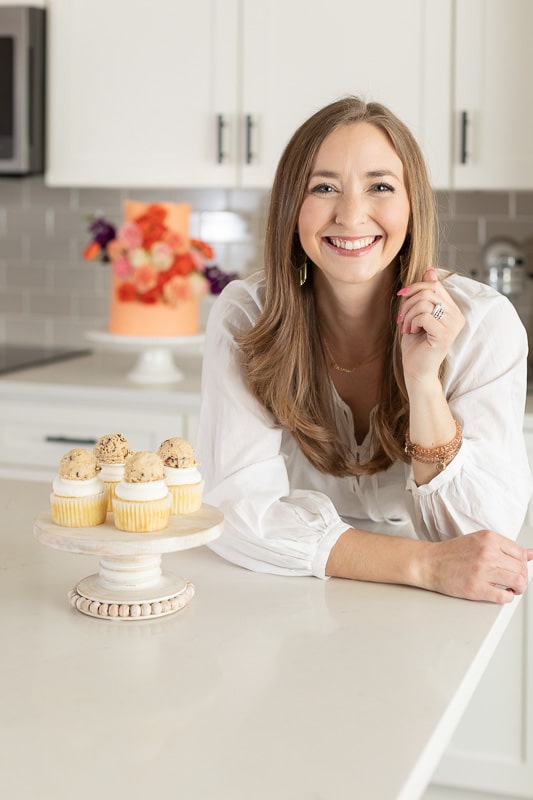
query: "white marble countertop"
90, 374
261, 687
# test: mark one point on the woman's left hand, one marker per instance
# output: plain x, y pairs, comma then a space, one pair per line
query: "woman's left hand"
430, 322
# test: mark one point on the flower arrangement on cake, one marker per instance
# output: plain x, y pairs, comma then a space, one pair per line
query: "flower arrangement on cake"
159, 273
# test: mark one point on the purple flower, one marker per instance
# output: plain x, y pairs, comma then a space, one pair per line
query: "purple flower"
218, 279
102, 231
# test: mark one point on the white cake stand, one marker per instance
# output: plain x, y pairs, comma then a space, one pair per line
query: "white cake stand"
130, 584
156, 362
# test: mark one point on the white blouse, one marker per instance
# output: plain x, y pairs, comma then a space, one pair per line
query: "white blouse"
284, 516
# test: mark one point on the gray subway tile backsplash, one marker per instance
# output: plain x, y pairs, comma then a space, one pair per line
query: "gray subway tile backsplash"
49, 294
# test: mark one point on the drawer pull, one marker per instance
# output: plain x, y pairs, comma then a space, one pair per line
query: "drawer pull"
70, 440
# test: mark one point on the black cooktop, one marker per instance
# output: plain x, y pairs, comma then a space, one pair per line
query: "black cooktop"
14, 357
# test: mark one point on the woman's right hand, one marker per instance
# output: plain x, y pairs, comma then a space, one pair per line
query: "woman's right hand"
477, 566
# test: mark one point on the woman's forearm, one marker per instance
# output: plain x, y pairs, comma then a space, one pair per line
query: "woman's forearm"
478, 566
361, 555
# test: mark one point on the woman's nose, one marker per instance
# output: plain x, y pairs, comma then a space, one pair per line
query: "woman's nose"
351, 209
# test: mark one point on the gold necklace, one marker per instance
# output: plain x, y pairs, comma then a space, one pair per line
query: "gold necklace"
350, 370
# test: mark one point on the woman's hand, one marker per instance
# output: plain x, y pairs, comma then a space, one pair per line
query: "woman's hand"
478, 566
427, 340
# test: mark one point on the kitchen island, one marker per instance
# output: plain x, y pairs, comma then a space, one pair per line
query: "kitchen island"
261, 687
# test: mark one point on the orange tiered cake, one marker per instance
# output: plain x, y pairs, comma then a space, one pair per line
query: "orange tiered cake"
157, 281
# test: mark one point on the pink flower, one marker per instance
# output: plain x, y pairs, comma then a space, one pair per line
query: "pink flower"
121, 267
176, 289
130, 235
162, 255
145, 278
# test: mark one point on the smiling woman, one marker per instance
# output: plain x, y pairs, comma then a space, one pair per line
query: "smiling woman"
335, 396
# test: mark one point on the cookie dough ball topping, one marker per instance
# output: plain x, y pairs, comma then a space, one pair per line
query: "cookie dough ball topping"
144, 466
78, 465
177, 453
112, 448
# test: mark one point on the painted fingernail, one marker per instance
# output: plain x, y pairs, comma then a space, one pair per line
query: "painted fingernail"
399, 317
403, 291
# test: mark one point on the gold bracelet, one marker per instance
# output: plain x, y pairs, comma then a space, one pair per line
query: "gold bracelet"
441, 455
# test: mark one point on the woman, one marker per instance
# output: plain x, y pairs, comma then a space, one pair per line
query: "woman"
351, 386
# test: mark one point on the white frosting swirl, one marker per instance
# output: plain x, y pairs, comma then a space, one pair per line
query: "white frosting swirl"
112, 472
65, 487
145, 490
184, 476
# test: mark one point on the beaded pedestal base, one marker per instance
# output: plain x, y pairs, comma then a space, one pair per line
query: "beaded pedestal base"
116, 609
130, 584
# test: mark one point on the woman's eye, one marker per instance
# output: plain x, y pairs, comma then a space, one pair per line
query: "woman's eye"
382, 188
322, 188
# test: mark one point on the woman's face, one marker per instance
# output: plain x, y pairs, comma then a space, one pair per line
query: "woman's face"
355, 214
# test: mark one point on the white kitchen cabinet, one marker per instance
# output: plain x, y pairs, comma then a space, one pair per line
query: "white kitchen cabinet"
492, 748
493, 95
172, 93
298, 55
134, 89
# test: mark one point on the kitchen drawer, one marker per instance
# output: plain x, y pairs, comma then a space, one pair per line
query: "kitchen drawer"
33, 447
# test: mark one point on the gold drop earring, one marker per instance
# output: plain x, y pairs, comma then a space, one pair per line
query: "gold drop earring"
302, 272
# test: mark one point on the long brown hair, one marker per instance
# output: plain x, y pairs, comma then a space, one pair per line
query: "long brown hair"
282, 354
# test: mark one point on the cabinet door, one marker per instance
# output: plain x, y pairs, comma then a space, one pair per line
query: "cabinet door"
492, 748
135, 88
299, 55
493, 95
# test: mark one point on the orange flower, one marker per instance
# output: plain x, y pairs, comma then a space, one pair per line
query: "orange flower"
150, 297
152, 224
205, 249
183, 264
174, 241
126, 292
92, 251
115, 249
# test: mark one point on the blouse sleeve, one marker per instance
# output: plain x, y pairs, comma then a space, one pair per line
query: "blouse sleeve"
488, 484
267, 526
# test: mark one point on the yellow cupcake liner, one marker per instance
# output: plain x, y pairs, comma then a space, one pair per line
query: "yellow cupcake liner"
79, 512
186, 498
142, 516
110, 485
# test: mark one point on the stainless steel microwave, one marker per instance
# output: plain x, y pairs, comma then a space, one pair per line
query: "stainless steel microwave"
22, 89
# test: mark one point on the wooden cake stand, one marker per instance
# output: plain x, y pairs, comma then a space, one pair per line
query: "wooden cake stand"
130, 584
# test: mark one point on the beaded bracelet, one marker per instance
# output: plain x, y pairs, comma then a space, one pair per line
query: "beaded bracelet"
441, 455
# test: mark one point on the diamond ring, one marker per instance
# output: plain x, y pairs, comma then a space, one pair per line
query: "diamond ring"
438, 311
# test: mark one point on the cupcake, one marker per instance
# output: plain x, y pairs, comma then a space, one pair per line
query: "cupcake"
111, 451
79, 497
141, 502
182, 475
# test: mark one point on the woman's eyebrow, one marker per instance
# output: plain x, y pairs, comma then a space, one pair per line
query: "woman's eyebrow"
374, 173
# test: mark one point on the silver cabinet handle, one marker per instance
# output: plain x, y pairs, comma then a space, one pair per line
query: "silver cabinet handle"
464, 137
221, 151
249, 155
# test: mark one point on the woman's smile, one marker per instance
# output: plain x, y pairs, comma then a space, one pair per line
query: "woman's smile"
352, 247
